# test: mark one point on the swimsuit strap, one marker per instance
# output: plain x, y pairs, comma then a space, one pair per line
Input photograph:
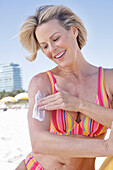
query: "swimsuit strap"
52, 81
102, 93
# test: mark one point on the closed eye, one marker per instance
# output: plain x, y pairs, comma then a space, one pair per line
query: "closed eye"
56, 39
44, 47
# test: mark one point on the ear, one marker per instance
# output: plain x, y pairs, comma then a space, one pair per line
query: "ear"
75, 31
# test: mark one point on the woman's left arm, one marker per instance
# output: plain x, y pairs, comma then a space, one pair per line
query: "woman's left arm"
99, 113
65, 101
96, 112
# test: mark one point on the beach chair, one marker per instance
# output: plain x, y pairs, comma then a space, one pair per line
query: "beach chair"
107, 164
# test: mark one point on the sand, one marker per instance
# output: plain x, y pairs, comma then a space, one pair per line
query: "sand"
14, 139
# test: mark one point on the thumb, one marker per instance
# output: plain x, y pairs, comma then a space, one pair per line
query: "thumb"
59, 89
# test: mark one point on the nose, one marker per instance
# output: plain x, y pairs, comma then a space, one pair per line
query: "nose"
52, 47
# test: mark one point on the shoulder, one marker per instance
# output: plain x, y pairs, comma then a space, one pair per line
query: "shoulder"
39, 82
109, 79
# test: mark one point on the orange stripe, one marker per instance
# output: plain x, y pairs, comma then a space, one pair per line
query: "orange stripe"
51, 81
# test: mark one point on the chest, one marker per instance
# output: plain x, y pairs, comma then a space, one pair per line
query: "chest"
85, 89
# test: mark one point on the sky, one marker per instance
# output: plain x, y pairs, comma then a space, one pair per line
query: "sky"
97, 17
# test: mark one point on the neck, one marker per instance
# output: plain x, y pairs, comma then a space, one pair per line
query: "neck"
79, 68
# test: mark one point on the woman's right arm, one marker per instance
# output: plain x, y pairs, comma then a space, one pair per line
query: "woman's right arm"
44, 142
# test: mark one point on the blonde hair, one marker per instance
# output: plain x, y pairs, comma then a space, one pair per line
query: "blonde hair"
66, 19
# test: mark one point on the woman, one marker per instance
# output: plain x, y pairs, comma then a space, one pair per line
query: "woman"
79, 96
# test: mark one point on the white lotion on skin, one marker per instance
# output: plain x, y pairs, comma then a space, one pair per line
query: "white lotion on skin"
38, 114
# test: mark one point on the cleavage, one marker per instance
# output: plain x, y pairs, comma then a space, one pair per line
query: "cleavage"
77, 116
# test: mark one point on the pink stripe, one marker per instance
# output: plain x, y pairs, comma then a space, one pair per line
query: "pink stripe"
54, 120
100, 88
54, 81
60, 120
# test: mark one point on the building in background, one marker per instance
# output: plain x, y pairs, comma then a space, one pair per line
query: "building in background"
10, 77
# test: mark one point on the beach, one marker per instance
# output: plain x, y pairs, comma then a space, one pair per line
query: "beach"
14, 139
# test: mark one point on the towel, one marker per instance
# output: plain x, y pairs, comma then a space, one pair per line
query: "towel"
38, 114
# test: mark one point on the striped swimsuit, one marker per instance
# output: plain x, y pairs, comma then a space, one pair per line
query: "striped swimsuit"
32, 164
62, 122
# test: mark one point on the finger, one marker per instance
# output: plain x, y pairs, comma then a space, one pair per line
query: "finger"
51, 106
55, 102
48, 99
55, 107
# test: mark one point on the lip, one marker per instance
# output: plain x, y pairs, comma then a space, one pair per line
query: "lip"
64, 51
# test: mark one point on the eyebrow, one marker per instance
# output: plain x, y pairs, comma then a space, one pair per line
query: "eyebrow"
50, 37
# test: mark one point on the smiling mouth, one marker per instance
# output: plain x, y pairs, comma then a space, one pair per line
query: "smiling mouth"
60, 55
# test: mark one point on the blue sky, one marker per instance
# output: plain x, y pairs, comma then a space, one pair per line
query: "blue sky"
96, 15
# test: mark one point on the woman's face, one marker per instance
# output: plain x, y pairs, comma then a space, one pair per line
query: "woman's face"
57, 43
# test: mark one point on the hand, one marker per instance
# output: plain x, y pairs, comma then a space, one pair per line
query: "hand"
109, 143
60, 100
